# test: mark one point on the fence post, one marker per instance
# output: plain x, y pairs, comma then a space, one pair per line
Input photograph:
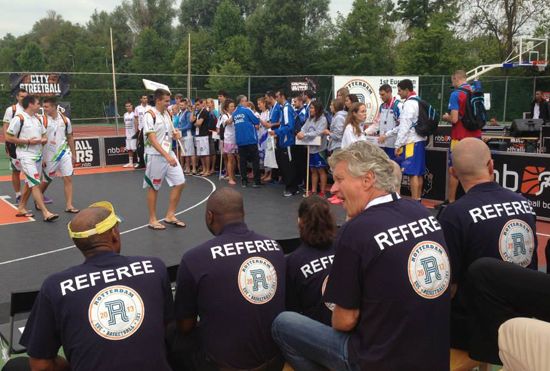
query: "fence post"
248, 88
534, 85
442, 91
505, 99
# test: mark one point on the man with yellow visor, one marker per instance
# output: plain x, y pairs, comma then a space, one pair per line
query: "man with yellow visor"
110, 305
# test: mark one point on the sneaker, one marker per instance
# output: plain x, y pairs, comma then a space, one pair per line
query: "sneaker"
136, 166
47, 200
17, 199
287, 194
129, 164
244, 184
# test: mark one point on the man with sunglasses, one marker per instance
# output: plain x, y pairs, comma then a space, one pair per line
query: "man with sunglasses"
110, 305
488, 221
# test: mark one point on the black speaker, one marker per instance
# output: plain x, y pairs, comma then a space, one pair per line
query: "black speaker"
526, 127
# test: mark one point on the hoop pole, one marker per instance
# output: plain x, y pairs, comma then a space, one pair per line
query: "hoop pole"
114, 79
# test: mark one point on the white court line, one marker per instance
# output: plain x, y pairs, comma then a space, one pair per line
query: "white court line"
31, 219
542, 234
124, 232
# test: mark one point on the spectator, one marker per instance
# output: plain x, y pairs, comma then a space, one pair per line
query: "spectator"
309, 265
200, 118
222, 96
349, 100
139, 115
336, 131
357, 114
314, 127
540, 108
188, 138
131, 129
212, 130
230, 148
262, 136
342, 94
308, 98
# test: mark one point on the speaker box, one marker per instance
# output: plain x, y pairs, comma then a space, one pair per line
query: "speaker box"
526, 127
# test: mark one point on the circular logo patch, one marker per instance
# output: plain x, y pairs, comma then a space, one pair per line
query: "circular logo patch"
330, 306
366, 94
257, 280
517, 242
116, 312
429, 269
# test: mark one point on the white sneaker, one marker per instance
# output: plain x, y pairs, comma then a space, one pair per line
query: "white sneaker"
136, 165
128, 165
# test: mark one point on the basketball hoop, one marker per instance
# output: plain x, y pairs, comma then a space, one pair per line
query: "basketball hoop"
540, 65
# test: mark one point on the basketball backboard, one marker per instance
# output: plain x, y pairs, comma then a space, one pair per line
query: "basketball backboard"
533, 52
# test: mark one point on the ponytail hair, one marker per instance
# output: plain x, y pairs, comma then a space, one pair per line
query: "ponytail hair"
317, 225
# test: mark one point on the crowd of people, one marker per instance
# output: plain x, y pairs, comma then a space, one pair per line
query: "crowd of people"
394, 288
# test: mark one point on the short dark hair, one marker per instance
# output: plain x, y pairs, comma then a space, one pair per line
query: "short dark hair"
353, 98
386, 88
270, 93
19, 90
405, 84
160, 93
125, 103
28, 100
223, 93
226, 104
308, 93
318, 109
282, 93
51, 100
317, 226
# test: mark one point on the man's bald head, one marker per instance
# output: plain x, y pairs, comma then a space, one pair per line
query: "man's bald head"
472, 160
224, 206
87, 219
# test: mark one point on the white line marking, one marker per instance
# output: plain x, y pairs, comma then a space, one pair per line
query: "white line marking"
29, 218
124, 232
542, 234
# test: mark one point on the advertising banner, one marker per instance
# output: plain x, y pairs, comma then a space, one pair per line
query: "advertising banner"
442, 137
366, 88
301, 84
41, 84
87, 152
115, 151
435, 177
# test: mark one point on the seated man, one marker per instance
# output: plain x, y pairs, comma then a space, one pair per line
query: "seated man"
389, 281
105, 312
488, 221
235, 285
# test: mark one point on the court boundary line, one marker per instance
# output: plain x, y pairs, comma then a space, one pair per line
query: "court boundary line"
123, 232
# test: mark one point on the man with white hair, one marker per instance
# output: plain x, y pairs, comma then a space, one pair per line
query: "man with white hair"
389, 281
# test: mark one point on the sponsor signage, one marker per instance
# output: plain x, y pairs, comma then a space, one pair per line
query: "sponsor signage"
40, 84
442, 137
87, 152
366, 89
435, 177
300, 85
115, 151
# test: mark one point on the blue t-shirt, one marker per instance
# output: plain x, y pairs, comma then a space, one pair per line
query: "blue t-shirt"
489, 221
245, 121
307, 271
275, 114
391, 263
108, 313
235, 283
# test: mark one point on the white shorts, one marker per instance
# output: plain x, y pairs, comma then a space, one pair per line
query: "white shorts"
15, 165
203, 146
131, 144
32, 170
158, 169
64, 166
188, 144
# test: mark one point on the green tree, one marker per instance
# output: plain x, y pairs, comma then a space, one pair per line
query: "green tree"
8, 53
415, 13
228, 77
151, 53
31, 58
202, 48
227, 22
153, 14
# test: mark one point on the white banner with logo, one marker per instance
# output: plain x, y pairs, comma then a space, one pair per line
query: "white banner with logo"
366, 88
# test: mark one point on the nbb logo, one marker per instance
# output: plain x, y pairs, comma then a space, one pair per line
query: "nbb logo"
534, 180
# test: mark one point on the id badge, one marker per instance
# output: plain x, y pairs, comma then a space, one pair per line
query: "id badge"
166, 145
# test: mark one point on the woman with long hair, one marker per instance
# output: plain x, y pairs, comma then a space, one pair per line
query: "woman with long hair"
229, 141
309, 265
357, 115
262, 135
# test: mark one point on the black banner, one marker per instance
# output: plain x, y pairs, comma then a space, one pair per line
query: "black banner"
442, 137
40, 84
528, 175
87, 153
435, 177
300, 85
115, 151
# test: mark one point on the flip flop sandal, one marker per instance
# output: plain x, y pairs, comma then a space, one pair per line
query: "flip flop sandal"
176, 223
26, 214
51, 218
72, 211
156, 227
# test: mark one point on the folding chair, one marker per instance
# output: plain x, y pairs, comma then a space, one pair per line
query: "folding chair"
21, 303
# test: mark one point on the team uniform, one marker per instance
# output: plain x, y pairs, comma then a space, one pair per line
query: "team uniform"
412, 147
488, 221
139, 112
29, 156
202, 141
57, 154
10, 113
312, 129
387, 125
457, 102
187, 133
131, 143
285, 149
229, 140
108, 313
157, 168
307, 271
235, 284
391, 262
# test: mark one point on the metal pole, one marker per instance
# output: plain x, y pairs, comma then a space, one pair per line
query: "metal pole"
248, 88
114, 79
534, 85
442, 90
505, 99
189, 67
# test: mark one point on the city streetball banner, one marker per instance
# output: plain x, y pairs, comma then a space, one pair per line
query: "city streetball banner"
40, 84
366, 88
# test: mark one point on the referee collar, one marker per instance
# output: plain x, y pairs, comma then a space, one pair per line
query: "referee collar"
383, 199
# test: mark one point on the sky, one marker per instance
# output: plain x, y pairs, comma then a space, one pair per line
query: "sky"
19, 15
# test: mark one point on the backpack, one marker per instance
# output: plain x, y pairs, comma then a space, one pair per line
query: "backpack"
428, 118
11, 147
475, 115
63, 117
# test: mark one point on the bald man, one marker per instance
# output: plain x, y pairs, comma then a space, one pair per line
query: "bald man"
235, 284
488, 221
110, 305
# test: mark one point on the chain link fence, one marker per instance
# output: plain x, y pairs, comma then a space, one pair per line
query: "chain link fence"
92, 99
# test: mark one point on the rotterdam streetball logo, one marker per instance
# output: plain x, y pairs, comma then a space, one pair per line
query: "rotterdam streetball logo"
517, 242
116, 312
257, 280
365, 94
429, 269
535, 180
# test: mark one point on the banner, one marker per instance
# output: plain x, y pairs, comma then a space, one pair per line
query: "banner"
366, 88
442, 137
115, 151
301, 84
41, 85
87, 152
528, 175
435, 177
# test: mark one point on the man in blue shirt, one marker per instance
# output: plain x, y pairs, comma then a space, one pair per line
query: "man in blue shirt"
246, 137
285, 146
